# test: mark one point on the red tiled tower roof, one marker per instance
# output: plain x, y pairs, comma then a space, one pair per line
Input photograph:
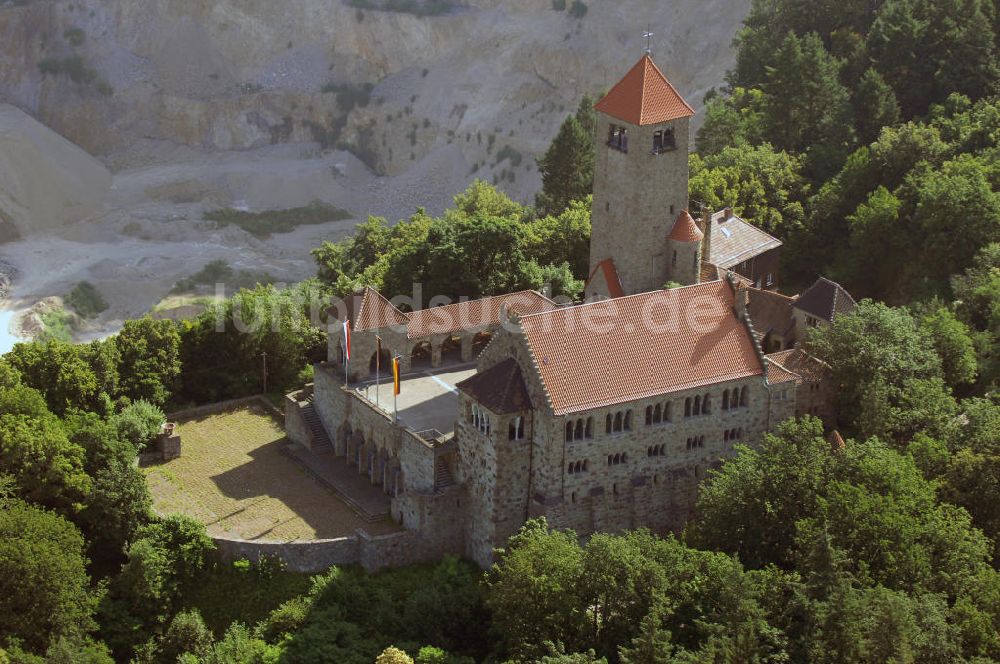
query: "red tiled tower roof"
644, 97
685, 229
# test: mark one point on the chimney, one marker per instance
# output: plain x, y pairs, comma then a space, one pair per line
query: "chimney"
728, 214
742, 295
706, 245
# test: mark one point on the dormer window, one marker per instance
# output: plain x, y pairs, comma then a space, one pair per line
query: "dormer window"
618, 137
664, 141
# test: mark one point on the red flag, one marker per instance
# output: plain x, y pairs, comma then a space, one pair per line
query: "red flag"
395, 375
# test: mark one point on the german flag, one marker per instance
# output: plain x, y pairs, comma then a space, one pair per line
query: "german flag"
395, 375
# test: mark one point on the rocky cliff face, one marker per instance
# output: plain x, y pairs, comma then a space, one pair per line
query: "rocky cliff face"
486, 82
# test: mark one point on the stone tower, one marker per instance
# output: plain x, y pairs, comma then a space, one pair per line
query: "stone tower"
640, 177
684, 250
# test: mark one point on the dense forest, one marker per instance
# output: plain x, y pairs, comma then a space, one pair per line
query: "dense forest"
865, 135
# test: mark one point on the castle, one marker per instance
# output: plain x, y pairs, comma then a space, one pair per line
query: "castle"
601, 416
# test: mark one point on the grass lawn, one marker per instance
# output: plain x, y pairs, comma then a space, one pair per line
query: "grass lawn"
232, 476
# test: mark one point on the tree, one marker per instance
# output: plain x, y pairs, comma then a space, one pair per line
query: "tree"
874, 345
875, 106
562, 238
532, 590
187, 633
763, 186
393, 655
139, 423
44, 589
567, 168
150, 359
953, 343
59, 371
806, 109
47, 467
734, 120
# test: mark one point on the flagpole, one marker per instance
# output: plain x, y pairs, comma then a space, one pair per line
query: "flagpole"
378, 361
395, 382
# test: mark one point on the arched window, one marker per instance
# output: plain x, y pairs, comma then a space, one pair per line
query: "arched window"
586, 465
725, 399
618, 422
590, 427
687, 407
610, 459
607, 424
628, 420
569, 431
668, 412
657, 414
697, 406
663, 449
744, 396
520, 428
512, 429
705, 401
488, 424
579, 430
649, 415
569, 469
578, 467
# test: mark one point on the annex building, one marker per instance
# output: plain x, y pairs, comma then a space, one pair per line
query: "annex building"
601, 416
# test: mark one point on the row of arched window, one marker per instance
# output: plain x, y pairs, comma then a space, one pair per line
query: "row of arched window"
515, 430
735, 398
658, 414
579, 429
481, 419
696, 442
656, 450
733, 434
578, 467
699, 405
621, 421
617, 459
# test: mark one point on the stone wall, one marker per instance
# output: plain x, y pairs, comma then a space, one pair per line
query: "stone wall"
637, 197
306, 556
295, 424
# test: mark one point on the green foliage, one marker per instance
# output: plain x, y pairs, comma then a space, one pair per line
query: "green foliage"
86, 300
873, 353
150, 363
759, 183
567, 167
45, 592
139, 423
57, 325
265, 223
485, 245
223, 350
187, 633
735, 120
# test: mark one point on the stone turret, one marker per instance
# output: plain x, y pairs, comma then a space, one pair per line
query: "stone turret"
684, 247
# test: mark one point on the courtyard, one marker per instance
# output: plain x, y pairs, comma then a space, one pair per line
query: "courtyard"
233, 476
427, 399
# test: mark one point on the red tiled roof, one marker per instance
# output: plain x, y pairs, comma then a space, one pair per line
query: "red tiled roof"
685, 229
800, 363
369, 310
474, 314
611, 278
777, 374
630, 348
644, 97
500, 388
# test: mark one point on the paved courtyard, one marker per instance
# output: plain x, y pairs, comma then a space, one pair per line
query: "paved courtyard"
233, 476
427, 399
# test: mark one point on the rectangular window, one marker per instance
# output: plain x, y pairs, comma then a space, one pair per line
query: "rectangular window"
664, 141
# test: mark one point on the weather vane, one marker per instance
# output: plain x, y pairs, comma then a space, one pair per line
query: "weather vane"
649, 36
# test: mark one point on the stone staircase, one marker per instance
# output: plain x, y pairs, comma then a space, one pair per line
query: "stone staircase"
320, 438
442, 475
